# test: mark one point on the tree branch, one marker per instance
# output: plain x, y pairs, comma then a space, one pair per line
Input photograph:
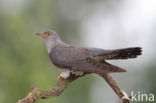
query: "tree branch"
37, 93
123, 96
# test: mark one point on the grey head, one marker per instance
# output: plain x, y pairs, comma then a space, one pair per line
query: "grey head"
51, 38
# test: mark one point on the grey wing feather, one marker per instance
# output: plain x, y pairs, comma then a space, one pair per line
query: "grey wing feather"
68, 56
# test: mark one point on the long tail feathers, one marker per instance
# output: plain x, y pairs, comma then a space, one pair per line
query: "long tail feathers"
124, 53
127, 53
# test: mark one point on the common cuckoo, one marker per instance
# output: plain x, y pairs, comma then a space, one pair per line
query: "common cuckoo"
80, 60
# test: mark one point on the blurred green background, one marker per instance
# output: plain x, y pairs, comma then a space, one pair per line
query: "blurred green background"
108, 24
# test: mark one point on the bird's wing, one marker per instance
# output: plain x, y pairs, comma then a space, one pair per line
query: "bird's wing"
104, 66
68, 56
124, 53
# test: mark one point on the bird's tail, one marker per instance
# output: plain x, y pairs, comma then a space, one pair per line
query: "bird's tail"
124, 53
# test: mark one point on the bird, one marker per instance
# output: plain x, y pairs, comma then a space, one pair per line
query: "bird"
75, 60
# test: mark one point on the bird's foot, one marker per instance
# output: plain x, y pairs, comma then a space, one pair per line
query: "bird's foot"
62, 77
59, 77
65, 74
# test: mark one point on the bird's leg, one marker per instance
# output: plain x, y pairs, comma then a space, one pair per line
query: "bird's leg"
123, 96
65, 73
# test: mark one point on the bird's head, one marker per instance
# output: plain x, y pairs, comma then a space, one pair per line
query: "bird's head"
51, 37
48, 34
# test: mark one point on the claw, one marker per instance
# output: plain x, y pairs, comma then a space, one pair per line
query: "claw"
59, 77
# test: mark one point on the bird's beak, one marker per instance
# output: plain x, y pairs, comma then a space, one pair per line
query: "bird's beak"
41, 34
38, 33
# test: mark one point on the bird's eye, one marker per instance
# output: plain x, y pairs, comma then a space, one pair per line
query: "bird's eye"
48, 33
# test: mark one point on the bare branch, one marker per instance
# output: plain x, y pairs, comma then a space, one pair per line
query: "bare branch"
123, 96
37, 93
